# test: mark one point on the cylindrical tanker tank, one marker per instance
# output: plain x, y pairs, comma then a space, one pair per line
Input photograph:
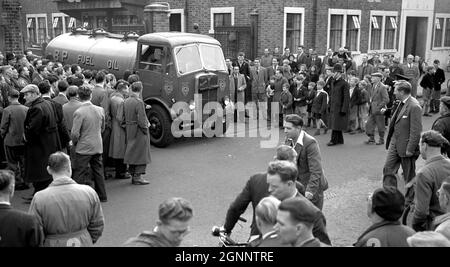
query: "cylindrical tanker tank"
95, 51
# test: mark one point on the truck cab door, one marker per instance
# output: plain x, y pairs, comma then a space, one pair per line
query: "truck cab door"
151, 68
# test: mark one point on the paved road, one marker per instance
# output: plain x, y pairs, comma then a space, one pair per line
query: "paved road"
211, 172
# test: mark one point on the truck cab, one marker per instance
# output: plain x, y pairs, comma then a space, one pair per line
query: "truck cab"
182, 73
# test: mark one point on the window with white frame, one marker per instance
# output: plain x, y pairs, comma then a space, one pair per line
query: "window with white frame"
177, 20
37, 29
344, 29
221, 16
294, 18
447, 33
383, 29
441, 31
438, 32
62, 23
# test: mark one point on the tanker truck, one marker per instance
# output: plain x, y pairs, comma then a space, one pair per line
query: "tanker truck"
184, 75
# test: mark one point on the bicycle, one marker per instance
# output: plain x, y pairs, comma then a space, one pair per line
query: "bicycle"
224, 239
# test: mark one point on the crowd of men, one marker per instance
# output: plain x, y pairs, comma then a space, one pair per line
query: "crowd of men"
334, 92
96, 119
59, 124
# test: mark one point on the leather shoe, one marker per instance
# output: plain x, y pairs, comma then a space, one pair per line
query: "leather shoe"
331, 144
138, 180
103, 200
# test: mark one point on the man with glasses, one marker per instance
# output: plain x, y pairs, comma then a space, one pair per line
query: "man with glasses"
172, 226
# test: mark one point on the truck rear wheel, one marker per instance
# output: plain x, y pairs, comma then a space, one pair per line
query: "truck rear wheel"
160, 123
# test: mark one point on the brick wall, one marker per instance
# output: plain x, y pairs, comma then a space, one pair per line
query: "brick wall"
11, 26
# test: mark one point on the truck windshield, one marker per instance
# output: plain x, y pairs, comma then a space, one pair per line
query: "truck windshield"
190, 59
212, 57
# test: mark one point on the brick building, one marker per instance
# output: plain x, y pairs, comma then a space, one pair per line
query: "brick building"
10, 30
400, 27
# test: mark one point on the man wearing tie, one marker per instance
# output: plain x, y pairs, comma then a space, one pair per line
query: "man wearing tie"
403, 137
412, 72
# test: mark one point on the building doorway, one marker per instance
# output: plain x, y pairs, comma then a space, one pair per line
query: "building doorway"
175, 22
416, 36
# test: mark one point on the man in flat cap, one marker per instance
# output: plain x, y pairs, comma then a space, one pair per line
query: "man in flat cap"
378, 101
412, 71
41, 138
385, 208
442, 124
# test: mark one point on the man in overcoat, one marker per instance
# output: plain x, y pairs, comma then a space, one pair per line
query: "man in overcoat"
137, 152
41, 138
118, 137
237, 92
339, 106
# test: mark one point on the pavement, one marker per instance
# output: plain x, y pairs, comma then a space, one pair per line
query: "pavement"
210, 172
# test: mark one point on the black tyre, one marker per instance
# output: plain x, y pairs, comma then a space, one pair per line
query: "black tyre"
160, 123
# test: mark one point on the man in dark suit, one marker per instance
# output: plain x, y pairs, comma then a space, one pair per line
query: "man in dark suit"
281, 177
17, 228
41, 73
256, 189
302, 57
61, 98
439, 79
403, 137
309, 162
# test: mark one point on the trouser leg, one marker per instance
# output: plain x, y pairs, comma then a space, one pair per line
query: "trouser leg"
15, 158
121, 168
380, 125
96, 163
390, 168
81, 169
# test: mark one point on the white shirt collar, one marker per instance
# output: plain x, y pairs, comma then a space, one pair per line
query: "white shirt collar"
268, 234
300, 138
404, 101
294, 195
5, 203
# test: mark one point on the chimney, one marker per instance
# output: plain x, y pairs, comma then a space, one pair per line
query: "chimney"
156, 17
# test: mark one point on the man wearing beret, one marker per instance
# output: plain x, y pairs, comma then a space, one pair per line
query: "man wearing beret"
378, 101
442, 124
385, 208
429, 179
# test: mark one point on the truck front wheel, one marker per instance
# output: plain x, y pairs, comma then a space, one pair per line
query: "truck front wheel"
160, 122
